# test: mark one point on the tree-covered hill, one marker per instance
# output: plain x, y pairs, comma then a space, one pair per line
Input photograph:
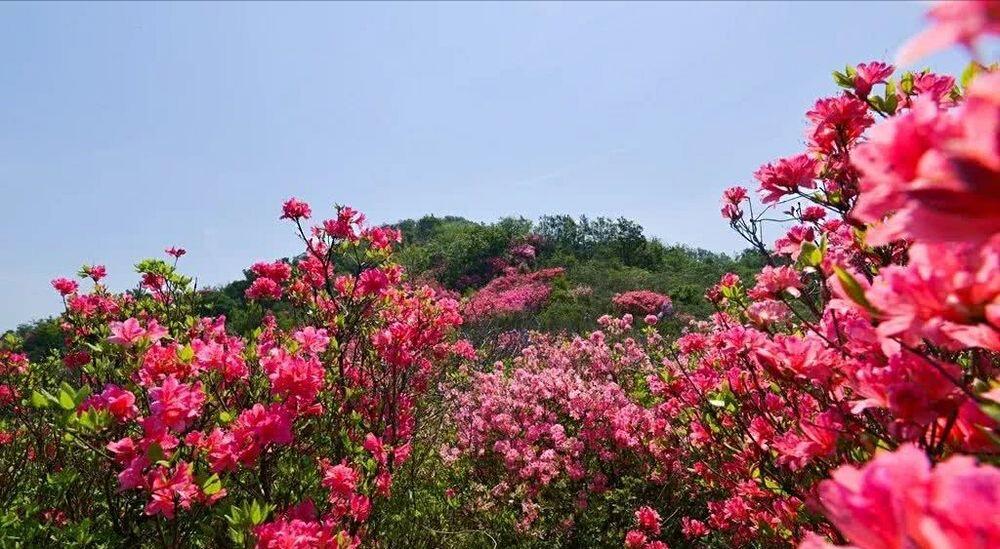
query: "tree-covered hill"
600, 257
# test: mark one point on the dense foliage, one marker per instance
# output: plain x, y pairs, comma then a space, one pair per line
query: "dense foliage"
840, 385
154, 415
600, 258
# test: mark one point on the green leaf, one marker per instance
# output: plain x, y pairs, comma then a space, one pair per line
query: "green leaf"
82, 394
235, 515
155, 452
853, 288
256, 513
729, 292
185, 354
38, 400
890, 104
67, 396
809, 255
891, 101
86, 420
969, 74
906, 83
992, 409
842, 80
890, 89
211, 485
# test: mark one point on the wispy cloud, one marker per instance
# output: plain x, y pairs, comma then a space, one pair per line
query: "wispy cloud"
568, 169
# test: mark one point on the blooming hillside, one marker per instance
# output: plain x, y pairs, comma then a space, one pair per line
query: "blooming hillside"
846, 393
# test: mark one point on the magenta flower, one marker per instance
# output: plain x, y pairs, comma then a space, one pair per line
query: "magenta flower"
175, 252
897, 500
961, 22
786, 176
869, 74
65, 286
312, 340
126, 333
295, 209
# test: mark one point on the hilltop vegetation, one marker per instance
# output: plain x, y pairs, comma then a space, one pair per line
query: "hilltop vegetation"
600, 257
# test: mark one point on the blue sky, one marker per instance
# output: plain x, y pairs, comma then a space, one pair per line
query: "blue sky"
126, 128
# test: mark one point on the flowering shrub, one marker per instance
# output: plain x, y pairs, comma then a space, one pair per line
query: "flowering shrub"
554, 429
871, 335
511, 293
161, 425
642, 302
848, 393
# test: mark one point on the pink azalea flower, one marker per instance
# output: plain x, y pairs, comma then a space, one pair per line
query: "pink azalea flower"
635, 539
897, 500
312, 340
295, 209
648, 520
955, 22
934, 173
641, 302
773, 281
126, 333
382, 238
264, 288
340, 479
510, 294
168, 490
785, 176
174, 404
791, 243
813, 214
948, 294
295, 378
692, 528
119, 402
155, 332
278, 271
96, 272
837, 123
65, 286
259, 427
372, 282
869, 74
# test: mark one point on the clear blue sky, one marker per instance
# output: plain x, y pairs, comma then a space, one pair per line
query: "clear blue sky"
125, 128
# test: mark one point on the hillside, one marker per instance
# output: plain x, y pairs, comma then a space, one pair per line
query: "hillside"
601, 257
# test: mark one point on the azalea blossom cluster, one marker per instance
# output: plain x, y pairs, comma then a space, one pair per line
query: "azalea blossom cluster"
643, 302
555, 427
518, 256
312, 412
874, 329
511, 293
848, 393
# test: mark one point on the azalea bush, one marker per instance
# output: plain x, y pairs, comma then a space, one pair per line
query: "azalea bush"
867, 349
848, 393
643, 302
542, 438
158, 425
